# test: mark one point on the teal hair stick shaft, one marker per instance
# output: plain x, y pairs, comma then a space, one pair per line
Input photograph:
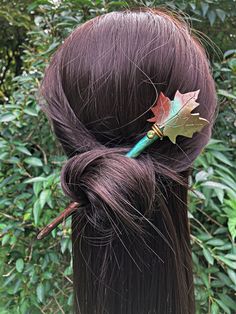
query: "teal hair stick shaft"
141, 145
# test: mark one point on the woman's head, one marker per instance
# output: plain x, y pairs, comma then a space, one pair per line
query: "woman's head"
131, 245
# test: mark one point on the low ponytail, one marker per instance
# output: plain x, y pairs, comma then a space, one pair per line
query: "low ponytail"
127, 253
123, 223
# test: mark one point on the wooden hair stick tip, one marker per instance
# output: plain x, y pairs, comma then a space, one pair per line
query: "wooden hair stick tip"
65, 214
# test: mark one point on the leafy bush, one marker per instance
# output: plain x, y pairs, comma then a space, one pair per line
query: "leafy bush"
35, 277
213, 223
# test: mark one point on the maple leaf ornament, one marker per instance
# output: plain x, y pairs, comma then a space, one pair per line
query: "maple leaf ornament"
175, 117
171, 118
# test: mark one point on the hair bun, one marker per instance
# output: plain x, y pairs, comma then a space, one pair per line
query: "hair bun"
116, 187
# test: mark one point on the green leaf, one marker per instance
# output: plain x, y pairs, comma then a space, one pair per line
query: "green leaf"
228, 301
224, 247
33, 161
208, 256
51, 48
224, 278
6, 117
23, 150
70, 300
37, 187
5, 239
227, 262
4, 156
215, 308
205, 279
9, 279
17, 286
231, 256
226, 94
232, 64
68, 271
212, 184
45, 197
232, 275
31, 112
37, 211
65, 244
49, 181
192, 5
35, 179
205, 7
221, 14
222, 158
201, 176
20, 265
220, 194
232, 227
215, 242
223, 306
40, 292
211, 16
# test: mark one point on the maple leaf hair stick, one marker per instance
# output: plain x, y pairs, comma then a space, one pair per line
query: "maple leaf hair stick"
171, 118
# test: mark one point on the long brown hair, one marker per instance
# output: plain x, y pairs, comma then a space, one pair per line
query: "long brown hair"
131, 240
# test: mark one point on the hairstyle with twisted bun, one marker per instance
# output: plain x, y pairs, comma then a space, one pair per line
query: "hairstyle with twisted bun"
131, 239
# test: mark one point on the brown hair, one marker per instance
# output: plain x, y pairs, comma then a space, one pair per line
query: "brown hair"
131, 241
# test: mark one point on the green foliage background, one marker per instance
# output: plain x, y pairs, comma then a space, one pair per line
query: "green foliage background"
35, 277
